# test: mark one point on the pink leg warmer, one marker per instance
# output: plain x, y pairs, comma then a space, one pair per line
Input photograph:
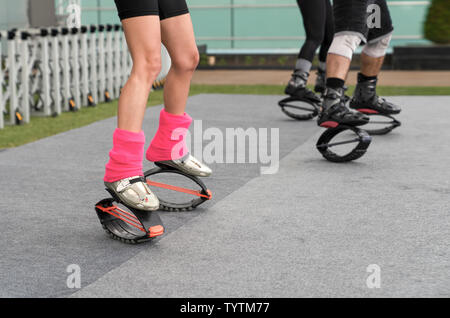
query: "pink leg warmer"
125, 159
169, 142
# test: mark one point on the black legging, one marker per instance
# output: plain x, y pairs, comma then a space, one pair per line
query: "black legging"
319, 27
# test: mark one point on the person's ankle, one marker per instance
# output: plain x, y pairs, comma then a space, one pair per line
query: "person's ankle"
335, 83
365, 78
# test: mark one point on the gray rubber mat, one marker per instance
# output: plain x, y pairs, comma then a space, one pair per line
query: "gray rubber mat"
49, 189
317, 228
312, 229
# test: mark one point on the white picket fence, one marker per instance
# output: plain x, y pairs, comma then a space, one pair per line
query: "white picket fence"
47, 71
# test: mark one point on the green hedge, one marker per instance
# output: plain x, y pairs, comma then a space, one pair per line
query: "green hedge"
437, 24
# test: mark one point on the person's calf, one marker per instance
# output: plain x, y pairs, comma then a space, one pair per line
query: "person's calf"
372, 56
371, 66
337, 66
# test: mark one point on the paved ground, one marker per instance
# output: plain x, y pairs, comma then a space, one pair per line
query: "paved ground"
281, 77
312, 229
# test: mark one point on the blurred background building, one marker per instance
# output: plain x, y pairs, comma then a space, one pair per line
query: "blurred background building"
226, 26
13, 14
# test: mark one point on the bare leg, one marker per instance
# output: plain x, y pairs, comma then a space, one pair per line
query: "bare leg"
144, 42
371, 66
337, 66
177, 34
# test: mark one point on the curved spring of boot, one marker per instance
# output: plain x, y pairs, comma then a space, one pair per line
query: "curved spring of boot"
386, 126
131, 227
299, 112
200, 196
325, 145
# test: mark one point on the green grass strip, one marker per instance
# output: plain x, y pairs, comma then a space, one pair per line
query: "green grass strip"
41, 127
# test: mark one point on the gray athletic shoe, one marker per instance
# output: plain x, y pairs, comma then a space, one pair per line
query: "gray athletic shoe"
135, 193
188, 164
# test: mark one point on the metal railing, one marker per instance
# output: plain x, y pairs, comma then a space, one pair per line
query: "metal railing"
47, 71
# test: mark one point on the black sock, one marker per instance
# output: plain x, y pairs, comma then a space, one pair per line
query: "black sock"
335, 83
364, 78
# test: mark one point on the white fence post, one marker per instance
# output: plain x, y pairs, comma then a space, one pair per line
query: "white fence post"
12, 76
93, 68
117, 60
101, 63
75, 67
24, 88
109, 62
46, 72
85, 91
2, 84
55, 66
